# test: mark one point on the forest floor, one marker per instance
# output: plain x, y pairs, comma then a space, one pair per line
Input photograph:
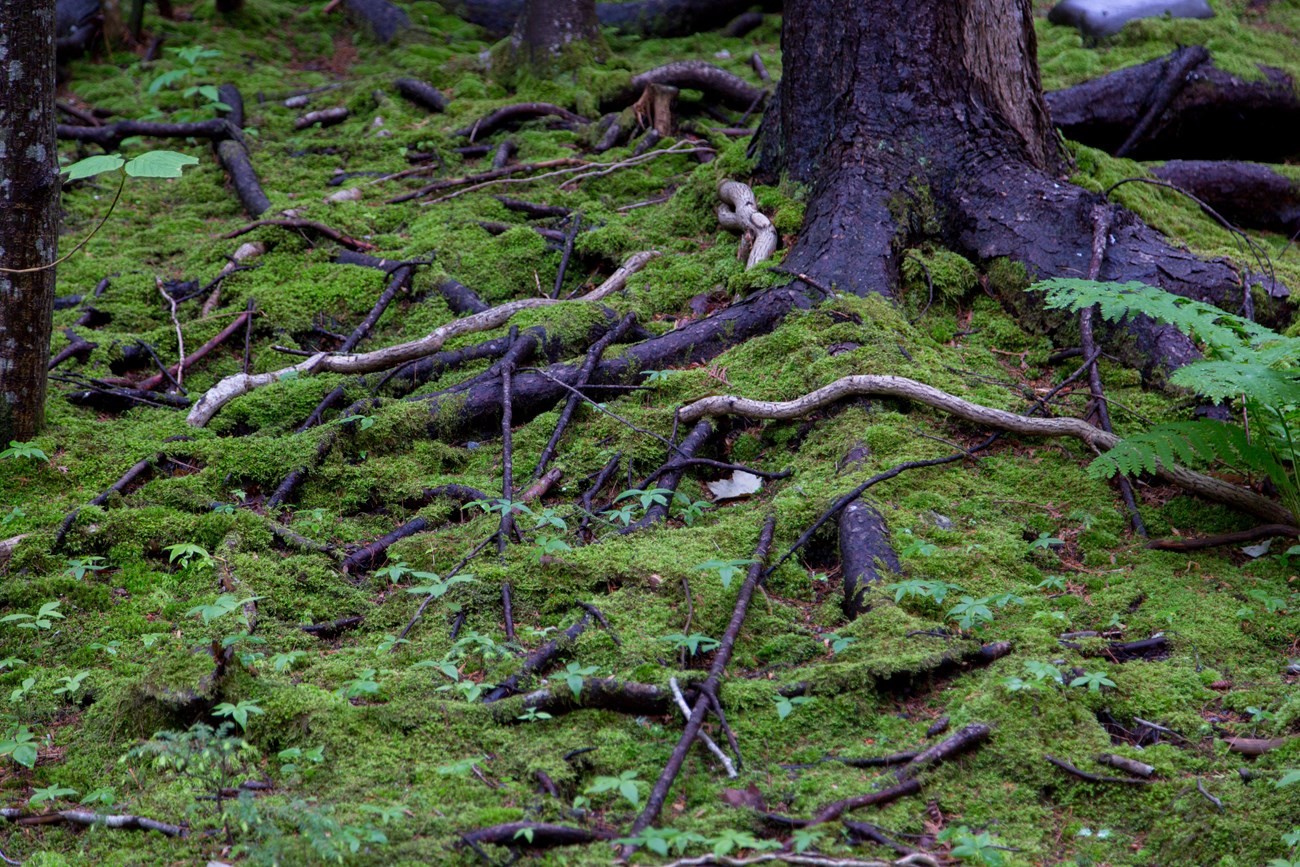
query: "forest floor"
176, 602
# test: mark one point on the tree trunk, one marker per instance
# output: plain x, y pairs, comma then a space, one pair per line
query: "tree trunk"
938, 132
29, 211
552, 36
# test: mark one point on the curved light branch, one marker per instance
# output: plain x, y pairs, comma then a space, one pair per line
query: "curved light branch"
909, 389
739, 213
239, 384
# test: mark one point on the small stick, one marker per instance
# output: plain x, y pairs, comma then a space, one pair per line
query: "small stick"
180, 337
507, 481
756, 61
704, 738
964, 739
248, 333
178, 369
419, 612
584, 376
1200, 787
568, 252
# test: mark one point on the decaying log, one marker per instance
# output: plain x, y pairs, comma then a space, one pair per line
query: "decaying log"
234, 158
658, 18
539, 660
597, 693
1094, 778
1211, 116
110, 135
88, 819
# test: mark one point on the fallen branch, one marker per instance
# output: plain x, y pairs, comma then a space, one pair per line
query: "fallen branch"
422, 94
909, 389
307, 226
89, 819
597, 693
704, 738
1254, 534
731, 90
176, 370
111, 135
240, 384
966, 738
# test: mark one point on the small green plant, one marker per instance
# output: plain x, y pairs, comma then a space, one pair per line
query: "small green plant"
785, 706
19, 450
43, 618
220, 607
804, 839
364, 684
1044, 671
970, 613
654, 377
532, 714
726, 569
20, 692
662, 841
187, 553
1093, 680
390, 643
549, 546
78, 568
968, 846
193, 69
104, 795
730, 840
313, 520
436, 586
647, 498
838, 643
12, 515
916, 546
1045, 541
71, 685
49, 793
694, 644
932, 589
1292, 840
20, 745
625, 784
1290, 778
111, 648
574, 674
296, 761
238, 712
394, 572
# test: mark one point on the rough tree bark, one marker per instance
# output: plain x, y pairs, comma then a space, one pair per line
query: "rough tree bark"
29, 211
552, 36
938, 131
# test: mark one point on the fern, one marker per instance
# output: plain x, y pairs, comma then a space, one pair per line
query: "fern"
1244, 363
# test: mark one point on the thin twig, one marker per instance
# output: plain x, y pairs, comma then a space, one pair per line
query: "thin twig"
704, 738
180, 337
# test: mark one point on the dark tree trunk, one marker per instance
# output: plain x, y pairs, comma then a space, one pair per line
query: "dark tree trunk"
938, 131
29, 211
552, 36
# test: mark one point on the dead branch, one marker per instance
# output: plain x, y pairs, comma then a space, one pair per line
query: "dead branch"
965, 738
909, 389
307, 226
236, 385
659, 792
731, 90
89, 819
1254, 534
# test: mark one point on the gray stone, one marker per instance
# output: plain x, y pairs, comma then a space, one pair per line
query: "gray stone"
1100, 18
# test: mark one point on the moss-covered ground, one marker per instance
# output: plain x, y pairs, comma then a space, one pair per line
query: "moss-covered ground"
395, 760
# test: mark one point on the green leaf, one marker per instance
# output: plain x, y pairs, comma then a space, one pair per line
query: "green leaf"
160, 164
96, 165
1290, 778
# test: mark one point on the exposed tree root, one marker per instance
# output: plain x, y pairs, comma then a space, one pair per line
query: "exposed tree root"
1248, 194
512, 115
140, 470
111, 135
539, 660
1254, 534
598, 693
234, 158
910, 389
1094, 778
863, 542
731, 90
739, 213
1207, 113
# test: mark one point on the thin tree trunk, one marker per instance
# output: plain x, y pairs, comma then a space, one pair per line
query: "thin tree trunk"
29, 211
552, 36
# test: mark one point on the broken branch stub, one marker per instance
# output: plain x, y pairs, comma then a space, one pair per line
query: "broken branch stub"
739, 213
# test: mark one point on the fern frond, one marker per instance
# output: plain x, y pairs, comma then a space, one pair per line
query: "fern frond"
1190, 443
1225, 380
1221, 332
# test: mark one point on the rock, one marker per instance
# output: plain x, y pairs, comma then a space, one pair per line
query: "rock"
1099, 18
